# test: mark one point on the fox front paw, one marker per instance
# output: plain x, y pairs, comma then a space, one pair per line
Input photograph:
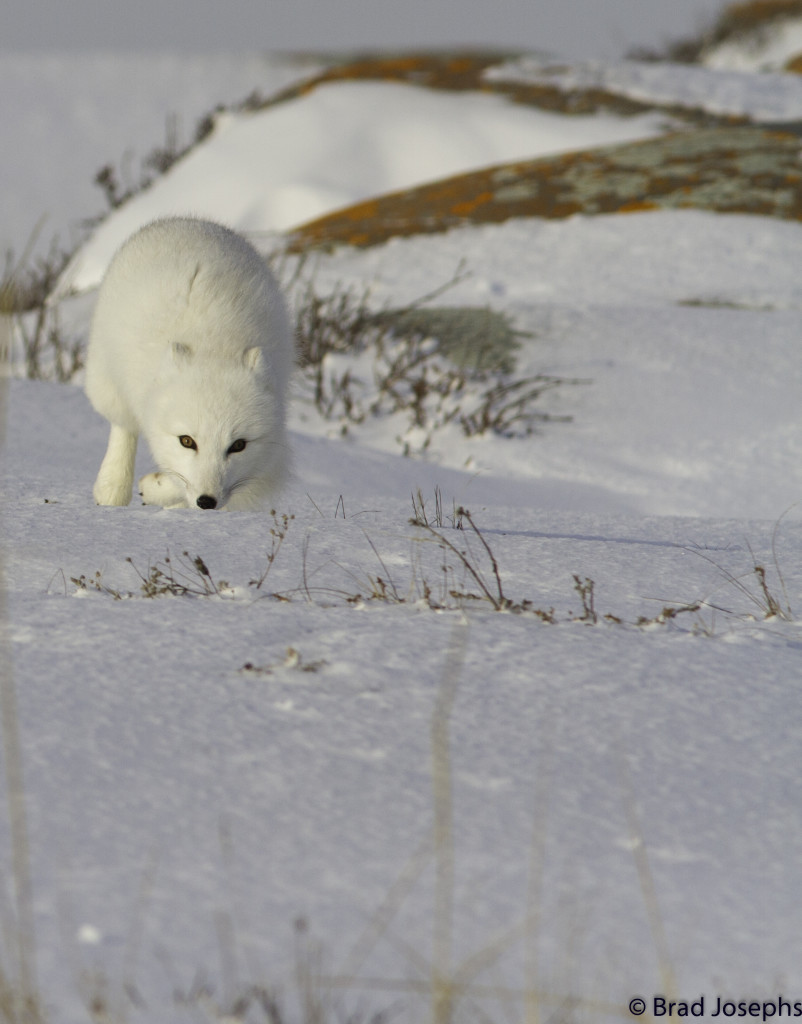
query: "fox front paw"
111, 492
161, 489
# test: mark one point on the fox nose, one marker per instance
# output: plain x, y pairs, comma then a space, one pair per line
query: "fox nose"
206, 501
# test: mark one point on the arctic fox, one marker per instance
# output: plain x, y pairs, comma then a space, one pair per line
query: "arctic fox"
191, 346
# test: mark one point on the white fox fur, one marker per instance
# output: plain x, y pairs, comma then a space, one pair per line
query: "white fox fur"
191, 347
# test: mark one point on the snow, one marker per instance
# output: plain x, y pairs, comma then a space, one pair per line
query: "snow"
187, 811
734, 92
662, 312
324, 150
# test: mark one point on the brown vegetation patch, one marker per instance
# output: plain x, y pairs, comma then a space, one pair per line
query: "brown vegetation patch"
464, 71
738, 20
746, 17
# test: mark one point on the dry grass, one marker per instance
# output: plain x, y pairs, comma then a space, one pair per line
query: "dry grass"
33, 333
27, 282
118, 186
430, 366
421, 516
185, 576
465, 574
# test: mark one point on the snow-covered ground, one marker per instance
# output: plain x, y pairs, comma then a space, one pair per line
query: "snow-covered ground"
621, 796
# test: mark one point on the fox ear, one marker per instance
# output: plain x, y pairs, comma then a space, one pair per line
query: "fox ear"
253, 358
181, 353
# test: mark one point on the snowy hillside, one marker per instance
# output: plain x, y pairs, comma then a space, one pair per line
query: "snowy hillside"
305, 157
323, 763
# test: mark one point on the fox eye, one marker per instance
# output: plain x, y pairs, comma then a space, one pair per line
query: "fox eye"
187, 441
237, 446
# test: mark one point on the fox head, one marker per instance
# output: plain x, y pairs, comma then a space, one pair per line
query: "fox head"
216, 428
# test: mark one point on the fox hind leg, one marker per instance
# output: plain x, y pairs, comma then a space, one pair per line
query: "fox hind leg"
115, 478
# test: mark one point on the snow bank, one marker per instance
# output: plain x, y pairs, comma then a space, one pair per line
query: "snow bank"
342, 142
763, 98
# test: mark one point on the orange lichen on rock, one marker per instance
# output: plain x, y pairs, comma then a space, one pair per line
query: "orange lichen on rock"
470, 206
459, 70
638, 206
734, 170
